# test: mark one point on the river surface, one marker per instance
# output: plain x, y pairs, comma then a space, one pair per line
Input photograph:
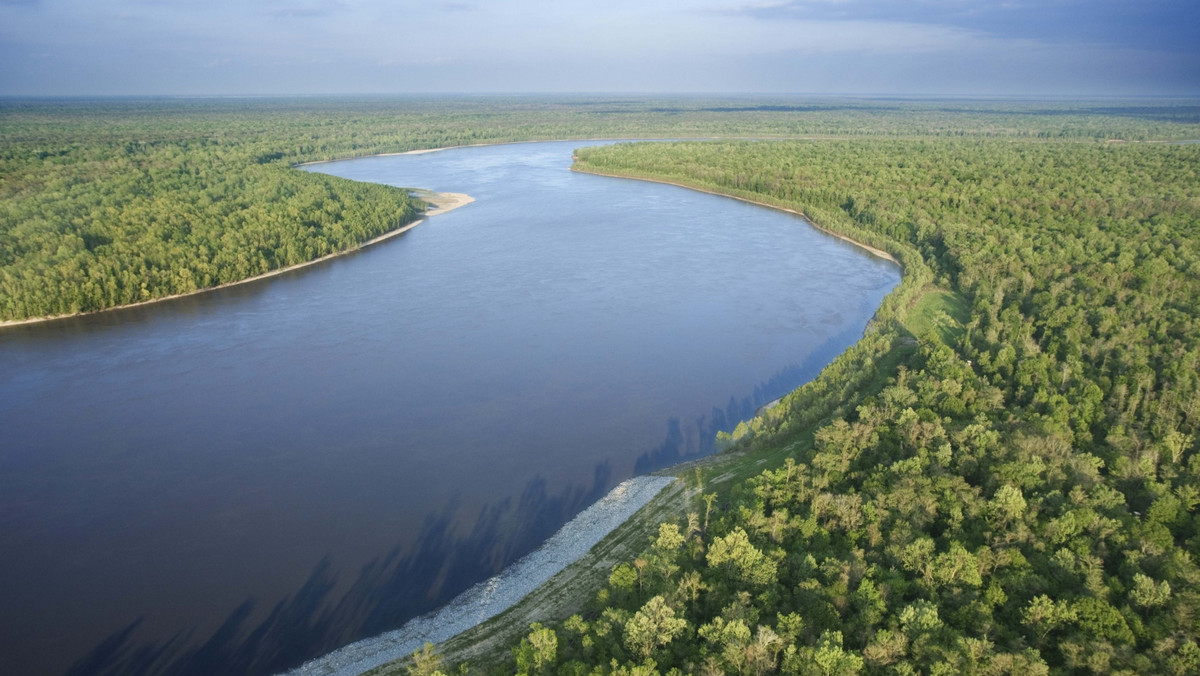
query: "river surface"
237, 481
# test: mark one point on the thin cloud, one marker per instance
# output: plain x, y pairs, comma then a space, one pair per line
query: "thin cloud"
320, 9
266, 46
1168, 25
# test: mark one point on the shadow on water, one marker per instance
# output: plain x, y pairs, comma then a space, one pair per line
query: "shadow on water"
685, 442
689, 442
413, 580
388, 591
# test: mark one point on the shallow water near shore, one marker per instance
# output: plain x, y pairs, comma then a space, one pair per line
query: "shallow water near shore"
239, 481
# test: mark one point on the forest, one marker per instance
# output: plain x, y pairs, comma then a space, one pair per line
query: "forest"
108, 202
1001, 477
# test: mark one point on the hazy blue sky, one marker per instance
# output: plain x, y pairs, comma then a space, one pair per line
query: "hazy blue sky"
949, 47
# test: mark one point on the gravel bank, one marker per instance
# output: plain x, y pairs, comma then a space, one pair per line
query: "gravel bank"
492, 597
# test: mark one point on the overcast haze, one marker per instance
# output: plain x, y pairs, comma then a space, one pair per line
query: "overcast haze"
913, 47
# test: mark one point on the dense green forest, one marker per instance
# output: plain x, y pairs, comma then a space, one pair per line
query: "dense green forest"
1001, 477
109, 202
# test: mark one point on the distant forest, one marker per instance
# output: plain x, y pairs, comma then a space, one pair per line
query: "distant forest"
110, 202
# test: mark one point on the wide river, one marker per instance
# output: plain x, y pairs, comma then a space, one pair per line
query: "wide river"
236, 481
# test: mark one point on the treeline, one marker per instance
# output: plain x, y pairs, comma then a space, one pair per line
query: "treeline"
1017, 495
93, 219
173, 225
110, 202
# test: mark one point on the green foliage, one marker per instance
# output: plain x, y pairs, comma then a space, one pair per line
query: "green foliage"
741, 559
669, 539
652, 626
827, 658
537, 651
426, 661
111, 202
93, 218
1015, 491
939, 316
623, 577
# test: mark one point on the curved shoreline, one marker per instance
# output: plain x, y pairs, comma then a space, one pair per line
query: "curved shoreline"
374, 652
442, 203
363, 657
457, 621
424, 151
879, 253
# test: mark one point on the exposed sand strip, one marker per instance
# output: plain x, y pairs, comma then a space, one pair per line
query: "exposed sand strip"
443, 201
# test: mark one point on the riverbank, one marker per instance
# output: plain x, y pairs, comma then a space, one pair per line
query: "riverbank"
879, 253
419, 151
494, 596
441, 202
569, 591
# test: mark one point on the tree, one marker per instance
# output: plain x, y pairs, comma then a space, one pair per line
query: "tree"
652, 626
741, 559
828, 658
623, 577
731, 637
690, 587
537, 651
1147, 594
1043, 614
669, 539
425, 662
709, 499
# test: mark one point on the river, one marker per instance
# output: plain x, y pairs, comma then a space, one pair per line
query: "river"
237, 481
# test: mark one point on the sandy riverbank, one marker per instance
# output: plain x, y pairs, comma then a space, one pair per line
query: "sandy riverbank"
444, 201
441, 202
419, 151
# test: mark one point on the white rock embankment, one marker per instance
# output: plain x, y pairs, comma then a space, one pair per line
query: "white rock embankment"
492, 597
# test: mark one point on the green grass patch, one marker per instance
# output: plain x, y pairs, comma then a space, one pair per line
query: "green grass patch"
940, 316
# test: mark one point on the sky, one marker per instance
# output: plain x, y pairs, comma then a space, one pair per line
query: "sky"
883, 47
